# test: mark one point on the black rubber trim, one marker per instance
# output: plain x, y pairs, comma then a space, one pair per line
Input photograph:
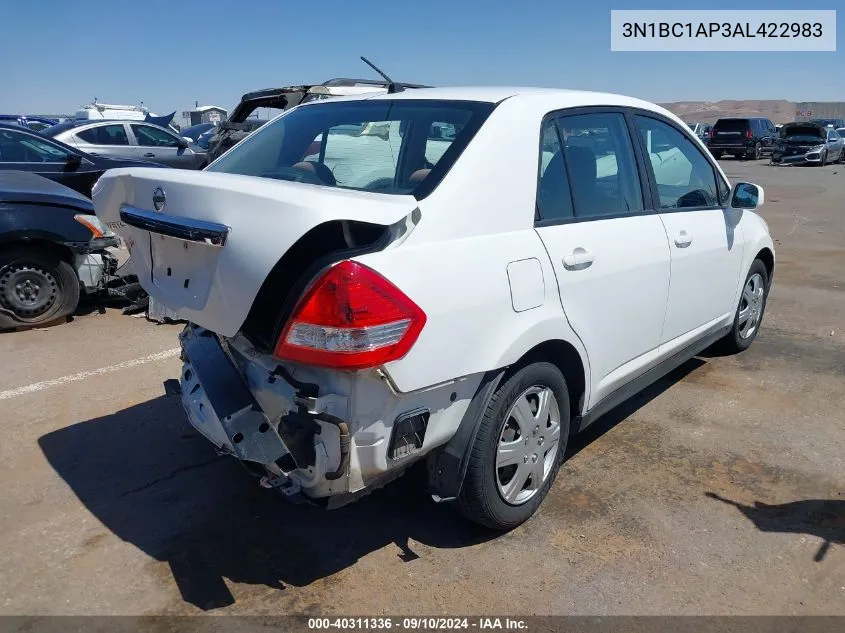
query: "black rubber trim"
448, 467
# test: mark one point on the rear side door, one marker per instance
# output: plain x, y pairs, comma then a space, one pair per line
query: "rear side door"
607, 247
108, 140
705, 239
159, 146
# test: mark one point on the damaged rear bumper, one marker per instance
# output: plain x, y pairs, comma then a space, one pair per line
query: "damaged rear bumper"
286, 448
221, 407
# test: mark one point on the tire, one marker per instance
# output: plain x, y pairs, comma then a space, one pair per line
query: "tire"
505, 433
718, 155
741, 337
823, 160
758, 151
36, 286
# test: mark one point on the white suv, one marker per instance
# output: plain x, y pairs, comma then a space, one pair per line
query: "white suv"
469, 276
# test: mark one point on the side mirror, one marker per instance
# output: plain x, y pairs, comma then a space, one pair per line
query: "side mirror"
184, 142
746, 195
74, 160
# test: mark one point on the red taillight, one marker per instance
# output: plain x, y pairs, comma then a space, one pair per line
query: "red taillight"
351, 318
748, 134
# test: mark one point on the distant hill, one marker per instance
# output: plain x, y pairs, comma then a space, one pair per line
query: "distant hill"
708, 111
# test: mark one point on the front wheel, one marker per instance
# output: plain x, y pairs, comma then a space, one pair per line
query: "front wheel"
823, 160
36, 286
749, 312
518, 450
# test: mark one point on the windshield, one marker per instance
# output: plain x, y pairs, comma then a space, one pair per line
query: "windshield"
382, 145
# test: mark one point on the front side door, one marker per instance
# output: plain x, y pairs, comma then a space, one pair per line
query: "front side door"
108, 140
705, 239
608, 249
159, 146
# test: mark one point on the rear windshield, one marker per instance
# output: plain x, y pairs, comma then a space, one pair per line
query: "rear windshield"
380, 145
731, 125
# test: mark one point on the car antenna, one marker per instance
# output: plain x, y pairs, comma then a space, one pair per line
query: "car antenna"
392, 86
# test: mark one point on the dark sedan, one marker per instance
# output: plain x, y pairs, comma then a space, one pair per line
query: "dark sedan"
52, 246
23, 150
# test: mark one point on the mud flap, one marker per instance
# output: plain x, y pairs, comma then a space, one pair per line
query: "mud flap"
447, 467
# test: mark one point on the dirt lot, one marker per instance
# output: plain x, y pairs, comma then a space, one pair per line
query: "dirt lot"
720, 490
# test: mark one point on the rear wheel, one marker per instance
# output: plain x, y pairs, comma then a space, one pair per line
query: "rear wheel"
749, 312
518, 450
758, 151
36, 286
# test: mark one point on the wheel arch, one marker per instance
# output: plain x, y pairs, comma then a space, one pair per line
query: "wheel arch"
567, 359
27, 241
447, 465
766, 256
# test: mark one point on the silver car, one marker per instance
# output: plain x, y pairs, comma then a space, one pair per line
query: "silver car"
130, 139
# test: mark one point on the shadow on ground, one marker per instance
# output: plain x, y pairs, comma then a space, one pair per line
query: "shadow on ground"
822, 518
150, 479
146, 475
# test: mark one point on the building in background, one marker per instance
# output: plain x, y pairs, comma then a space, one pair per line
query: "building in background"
205, 114
807, 110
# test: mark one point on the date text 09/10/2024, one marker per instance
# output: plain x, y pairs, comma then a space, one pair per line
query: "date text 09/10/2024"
722, 29
417, 624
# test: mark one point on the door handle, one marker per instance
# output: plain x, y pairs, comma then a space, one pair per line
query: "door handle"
683, 239
149, 155
579, 259
94, 153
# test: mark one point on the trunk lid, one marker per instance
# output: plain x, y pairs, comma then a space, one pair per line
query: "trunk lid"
203, 243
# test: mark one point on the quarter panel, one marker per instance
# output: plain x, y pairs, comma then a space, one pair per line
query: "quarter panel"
462, 286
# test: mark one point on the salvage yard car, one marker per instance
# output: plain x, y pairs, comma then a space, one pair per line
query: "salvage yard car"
481, 275
808, 143
123, 140
23, 150
750, 137
241, 123
52, 248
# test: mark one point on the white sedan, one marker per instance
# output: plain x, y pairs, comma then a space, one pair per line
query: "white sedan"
466, 276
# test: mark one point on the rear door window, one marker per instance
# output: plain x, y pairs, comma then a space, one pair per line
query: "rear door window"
600, 164
554, 200
104, 135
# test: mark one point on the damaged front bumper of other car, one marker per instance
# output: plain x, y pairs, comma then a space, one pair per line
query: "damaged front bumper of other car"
291, 442
797, 155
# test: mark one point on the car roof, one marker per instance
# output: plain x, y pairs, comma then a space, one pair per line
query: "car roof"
554, 98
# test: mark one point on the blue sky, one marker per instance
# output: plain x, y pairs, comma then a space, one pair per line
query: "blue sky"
170, 54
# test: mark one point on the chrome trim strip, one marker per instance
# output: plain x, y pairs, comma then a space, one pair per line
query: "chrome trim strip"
191, 230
